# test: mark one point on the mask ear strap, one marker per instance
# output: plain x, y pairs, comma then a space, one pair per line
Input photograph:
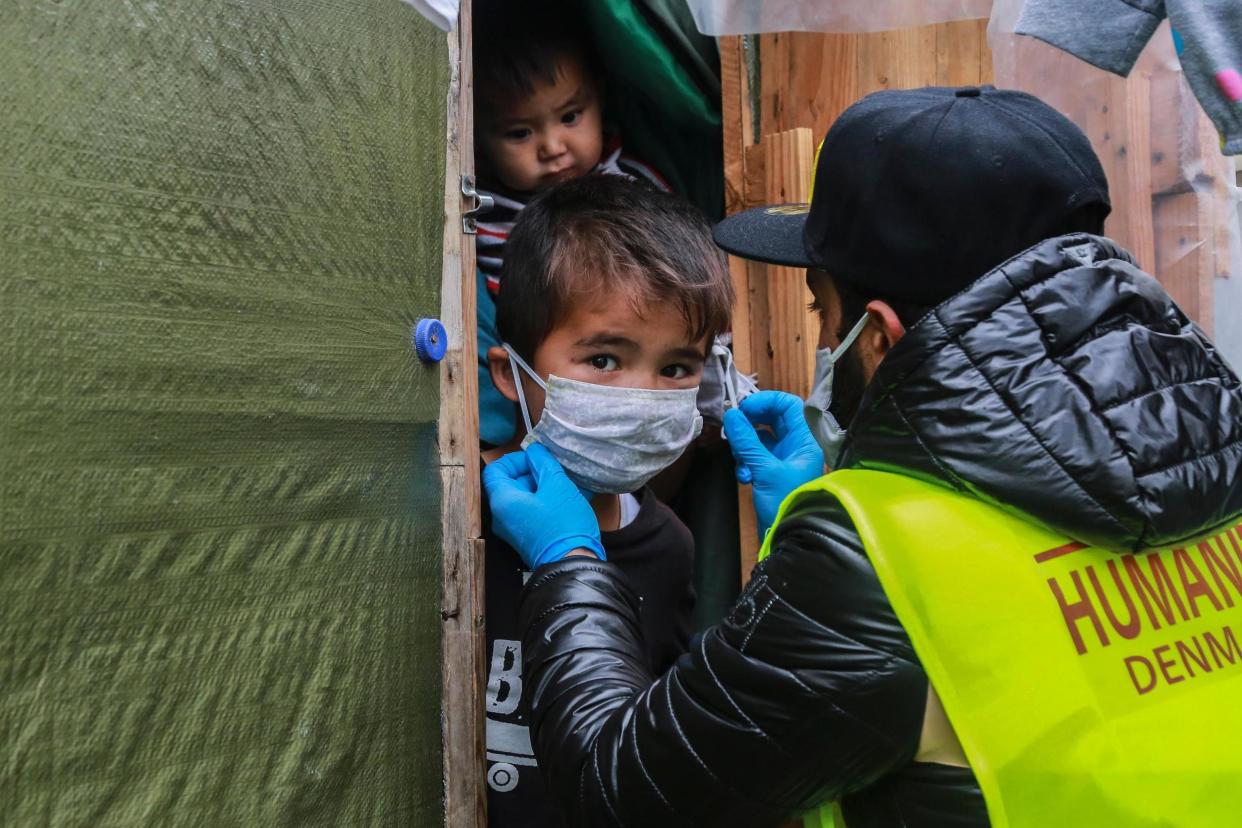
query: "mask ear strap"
517, 362
849, 339
722, 362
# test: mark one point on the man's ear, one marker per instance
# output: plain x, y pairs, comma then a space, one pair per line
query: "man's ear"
885, 329
502, 372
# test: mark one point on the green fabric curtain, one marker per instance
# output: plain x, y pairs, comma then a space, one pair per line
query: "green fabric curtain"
219, 509
664, 83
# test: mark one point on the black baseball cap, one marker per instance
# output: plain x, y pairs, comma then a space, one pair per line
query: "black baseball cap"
918, 192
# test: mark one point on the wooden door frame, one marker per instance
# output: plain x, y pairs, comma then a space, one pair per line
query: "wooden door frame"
462, 639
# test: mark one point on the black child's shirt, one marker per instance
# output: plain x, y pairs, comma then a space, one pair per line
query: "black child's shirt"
656, 553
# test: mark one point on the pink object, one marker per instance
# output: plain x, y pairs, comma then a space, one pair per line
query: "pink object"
1230, 83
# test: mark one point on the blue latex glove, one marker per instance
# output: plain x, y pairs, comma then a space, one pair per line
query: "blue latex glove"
537, 509
774, 463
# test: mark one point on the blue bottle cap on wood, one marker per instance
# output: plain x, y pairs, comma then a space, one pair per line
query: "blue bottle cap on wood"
430, 340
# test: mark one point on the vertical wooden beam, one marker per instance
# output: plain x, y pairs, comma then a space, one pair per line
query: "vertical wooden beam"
1168, 157
1118, 123
1138, 169
959, 51
898, 59
462, 640
794, 330
1215, 182
753, 352
758, 357
987, 74
735, 120
1189, 240
808, 80
1184, 255
738, 137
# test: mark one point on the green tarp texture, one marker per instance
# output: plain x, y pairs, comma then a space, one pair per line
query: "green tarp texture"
219, 485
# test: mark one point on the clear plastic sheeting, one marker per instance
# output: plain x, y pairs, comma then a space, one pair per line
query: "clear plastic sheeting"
1173, 193
442, 13
733, 17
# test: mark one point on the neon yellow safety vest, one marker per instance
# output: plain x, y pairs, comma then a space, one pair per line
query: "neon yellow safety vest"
1087, 687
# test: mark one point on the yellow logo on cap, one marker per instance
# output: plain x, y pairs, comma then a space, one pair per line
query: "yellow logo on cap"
788, 210
815, 166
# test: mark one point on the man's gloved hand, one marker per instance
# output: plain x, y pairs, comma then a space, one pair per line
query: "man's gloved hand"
537, 509
774, 463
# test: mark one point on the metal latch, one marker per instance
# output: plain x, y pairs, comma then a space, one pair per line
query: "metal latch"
481, 204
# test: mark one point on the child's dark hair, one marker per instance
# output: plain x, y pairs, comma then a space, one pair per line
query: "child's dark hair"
518, 42
608, 232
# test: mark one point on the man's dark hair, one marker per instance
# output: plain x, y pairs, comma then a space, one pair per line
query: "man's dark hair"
606, 232
519, 42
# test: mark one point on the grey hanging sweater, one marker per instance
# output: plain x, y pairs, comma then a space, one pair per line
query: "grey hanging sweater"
1111, 33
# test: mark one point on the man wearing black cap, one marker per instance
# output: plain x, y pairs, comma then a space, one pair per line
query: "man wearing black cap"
1031, 531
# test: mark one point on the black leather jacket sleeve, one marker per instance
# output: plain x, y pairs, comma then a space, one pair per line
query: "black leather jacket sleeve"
809, 689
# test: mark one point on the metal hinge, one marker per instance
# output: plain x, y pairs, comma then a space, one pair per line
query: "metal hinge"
481, 204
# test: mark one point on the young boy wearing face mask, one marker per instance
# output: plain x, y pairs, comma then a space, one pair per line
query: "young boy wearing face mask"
611, 295
539, 121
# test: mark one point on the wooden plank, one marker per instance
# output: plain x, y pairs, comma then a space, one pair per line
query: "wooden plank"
738, 138
986, 70
807, 80
1118, 123
462, 710
775, 76
1138, 171
1168, 154
1184, 260
748, 527
898, 59
735, 120
750, 341
959, 49
462, 641
1215, 181
793, 331
758, 357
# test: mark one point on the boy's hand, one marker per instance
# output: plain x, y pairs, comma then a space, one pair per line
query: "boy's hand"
537, 510
775, 463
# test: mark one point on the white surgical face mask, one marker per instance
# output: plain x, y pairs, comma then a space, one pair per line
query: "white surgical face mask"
827, 431
722, 387
609, 440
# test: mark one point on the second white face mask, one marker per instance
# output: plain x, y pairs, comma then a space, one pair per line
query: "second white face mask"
609, 440
824, 426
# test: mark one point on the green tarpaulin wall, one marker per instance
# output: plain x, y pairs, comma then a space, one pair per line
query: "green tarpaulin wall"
219, 502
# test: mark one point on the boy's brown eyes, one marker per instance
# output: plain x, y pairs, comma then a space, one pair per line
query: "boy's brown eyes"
677, 371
